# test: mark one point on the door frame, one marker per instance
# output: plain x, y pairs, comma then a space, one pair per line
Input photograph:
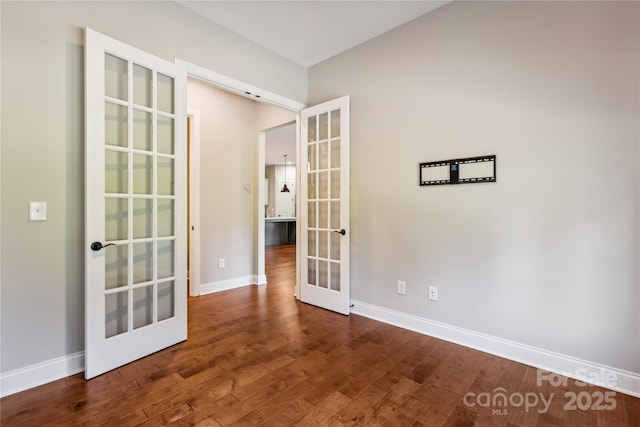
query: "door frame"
194, 202
249, 91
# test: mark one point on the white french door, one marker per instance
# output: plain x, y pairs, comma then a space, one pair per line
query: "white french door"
324, 211
135, 204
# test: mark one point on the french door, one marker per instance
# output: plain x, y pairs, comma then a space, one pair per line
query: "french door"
135, 204
324, 215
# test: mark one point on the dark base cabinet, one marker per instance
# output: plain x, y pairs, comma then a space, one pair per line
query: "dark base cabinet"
279, 231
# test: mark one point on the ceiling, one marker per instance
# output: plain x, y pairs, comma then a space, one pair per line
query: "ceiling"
280, 141
308, 32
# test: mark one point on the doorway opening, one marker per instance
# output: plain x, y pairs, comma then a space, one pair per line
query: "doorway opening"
227, 192
280, 170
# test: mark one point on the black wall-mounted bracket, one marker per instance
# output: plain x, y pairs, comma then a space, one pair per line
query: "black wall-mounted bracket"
469, 170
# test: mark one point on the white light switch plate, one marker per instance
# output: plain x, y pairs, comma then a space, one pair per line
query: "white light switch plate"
37, 211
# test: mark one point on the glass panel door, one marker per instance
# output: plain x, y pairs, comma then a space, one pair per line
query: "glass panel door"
325, 210
136, 210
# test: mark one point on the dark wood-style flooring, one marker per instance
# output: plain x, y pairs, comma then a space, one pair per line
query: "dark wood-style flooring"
257, 357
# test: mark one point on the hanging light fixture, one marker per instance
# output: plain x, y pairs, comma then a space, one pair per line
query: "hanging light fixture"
285, 189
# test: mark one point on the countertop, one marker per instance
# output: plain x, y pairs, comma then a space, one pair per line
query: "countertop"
280, 219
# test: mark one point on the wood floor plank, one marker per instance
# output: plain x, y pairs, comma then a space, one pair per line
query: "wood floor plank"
258, 357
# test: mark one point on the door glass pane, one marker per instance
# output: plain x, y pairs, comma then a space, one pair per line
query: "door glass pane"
323, 244
312, 215
116, 266
142, 174
335, 153
115, 125
335, 123
165, 93
116, 77
335, 246
323, 214
311, 129
312, 189
323, 274
335, 184
323, 155
116, 172
165, 135
323, 131
142, 218
311, 152
142, 86
166, 300
311, 242
165, 217
311, 271
335, 215
166, 257
335, 276
116, 307
116, 215
142, 306
142, 262
142, 130
165, 176
323, 192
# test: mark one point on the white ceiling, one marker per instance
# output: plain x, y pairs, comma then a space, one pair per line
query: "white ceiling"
308, 32
280, 141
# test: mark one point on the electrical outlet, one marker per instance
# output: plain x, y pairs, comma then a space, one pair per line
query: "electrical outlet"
221, 263
402, 287
433, 293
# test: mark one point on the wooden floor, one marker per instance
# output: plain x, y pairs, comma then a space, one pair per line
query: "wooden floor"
256, 356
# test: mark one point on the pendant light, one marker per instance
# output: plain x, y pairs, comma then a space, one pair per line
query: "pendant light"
285, 189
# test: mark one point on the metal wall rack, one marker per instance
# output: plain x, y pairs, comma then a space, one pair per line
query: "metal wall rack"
469, 170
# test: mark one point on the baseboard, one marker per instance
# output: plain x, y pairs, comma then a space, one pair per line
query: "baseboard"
41, 373
225, 285
585, 371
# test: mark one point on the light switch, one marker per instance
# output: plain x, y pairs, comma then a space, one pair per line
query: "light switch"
37, 211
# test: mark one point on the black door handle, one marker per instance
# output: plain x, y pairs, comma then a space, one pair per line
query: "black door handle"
343, 231
96, 246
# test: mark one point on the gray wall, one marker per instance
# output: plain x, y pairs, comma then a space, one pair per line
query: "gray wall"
42, 277
548, 256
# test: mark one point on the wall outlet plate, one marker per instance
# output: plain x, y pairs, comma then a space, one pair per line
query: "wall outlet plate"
433, 293
402, 287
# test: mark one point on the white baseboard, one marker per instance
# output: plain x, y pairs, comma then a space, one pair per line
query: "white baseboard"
225, 285
41, 373
585, 371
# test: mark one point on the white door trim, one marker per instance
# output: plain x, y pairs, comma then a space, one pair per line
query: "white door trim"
240, 88
194, 203
260, 270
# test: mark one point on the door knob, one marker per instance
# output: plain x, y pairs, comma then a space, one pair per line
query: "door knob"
96, 246
343, 231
